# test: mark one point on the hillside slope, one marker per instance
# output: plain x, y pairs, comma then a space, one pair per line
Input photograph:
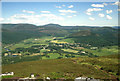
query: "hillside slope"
105, 67
97, 37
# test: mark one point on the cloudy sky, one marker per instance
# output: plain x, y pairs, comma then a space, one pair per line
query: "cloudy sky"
63, 13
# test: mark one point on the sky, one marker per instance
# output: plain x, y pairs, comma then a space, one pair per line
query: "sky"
63, 13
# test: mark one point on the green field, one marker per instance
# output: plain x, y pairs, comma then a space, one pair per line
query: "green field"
104, 51
30, 42
44, 50
70, 40
51, 56
70, 50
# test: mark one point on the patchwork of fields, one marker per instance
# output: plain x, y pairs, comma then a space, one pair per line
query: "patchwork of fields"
52, 48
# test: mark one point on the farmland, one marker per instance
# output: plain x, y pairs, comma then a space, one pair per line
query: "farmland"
52, 48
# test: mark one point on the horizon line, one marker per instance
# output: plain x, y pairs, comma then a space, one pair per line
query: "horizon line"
60, 24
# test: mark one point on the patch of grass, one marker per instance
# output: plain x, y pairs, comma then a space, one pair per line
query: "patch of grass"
53, 55
70, 40
6, 77
44, 57
103, 51
44, 50
70, 50
56, 41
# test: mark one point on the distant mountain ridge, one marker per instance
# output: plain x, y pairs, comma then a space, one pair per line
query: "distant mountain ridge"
52, 25
13, 33
117, 27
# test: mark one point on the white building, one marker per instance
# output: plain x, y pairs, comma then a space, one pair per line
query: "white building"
32, 75
80, 79
85, 79
48, 78
7, 74
82, 51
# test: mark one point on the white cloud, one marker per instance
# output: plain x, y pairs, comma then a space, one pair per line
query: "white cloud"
45, 11
91, 18
88, 13
71, 6
2, 19
34, 19
23, 16
62, 14
69, 16
74, 15
58, 7
108, 11
105, 4
63, 5
8, 19
67, 11
26, 11
20, 16
52, 16
108, 17
116, 3
97, 5
101, 15
94, 9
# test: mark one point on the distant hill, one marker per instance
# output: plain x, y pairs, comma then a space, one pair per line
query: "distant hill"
8, 26
96, 36
9, 36
13, 33
52, 25
116, 27
82, 33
